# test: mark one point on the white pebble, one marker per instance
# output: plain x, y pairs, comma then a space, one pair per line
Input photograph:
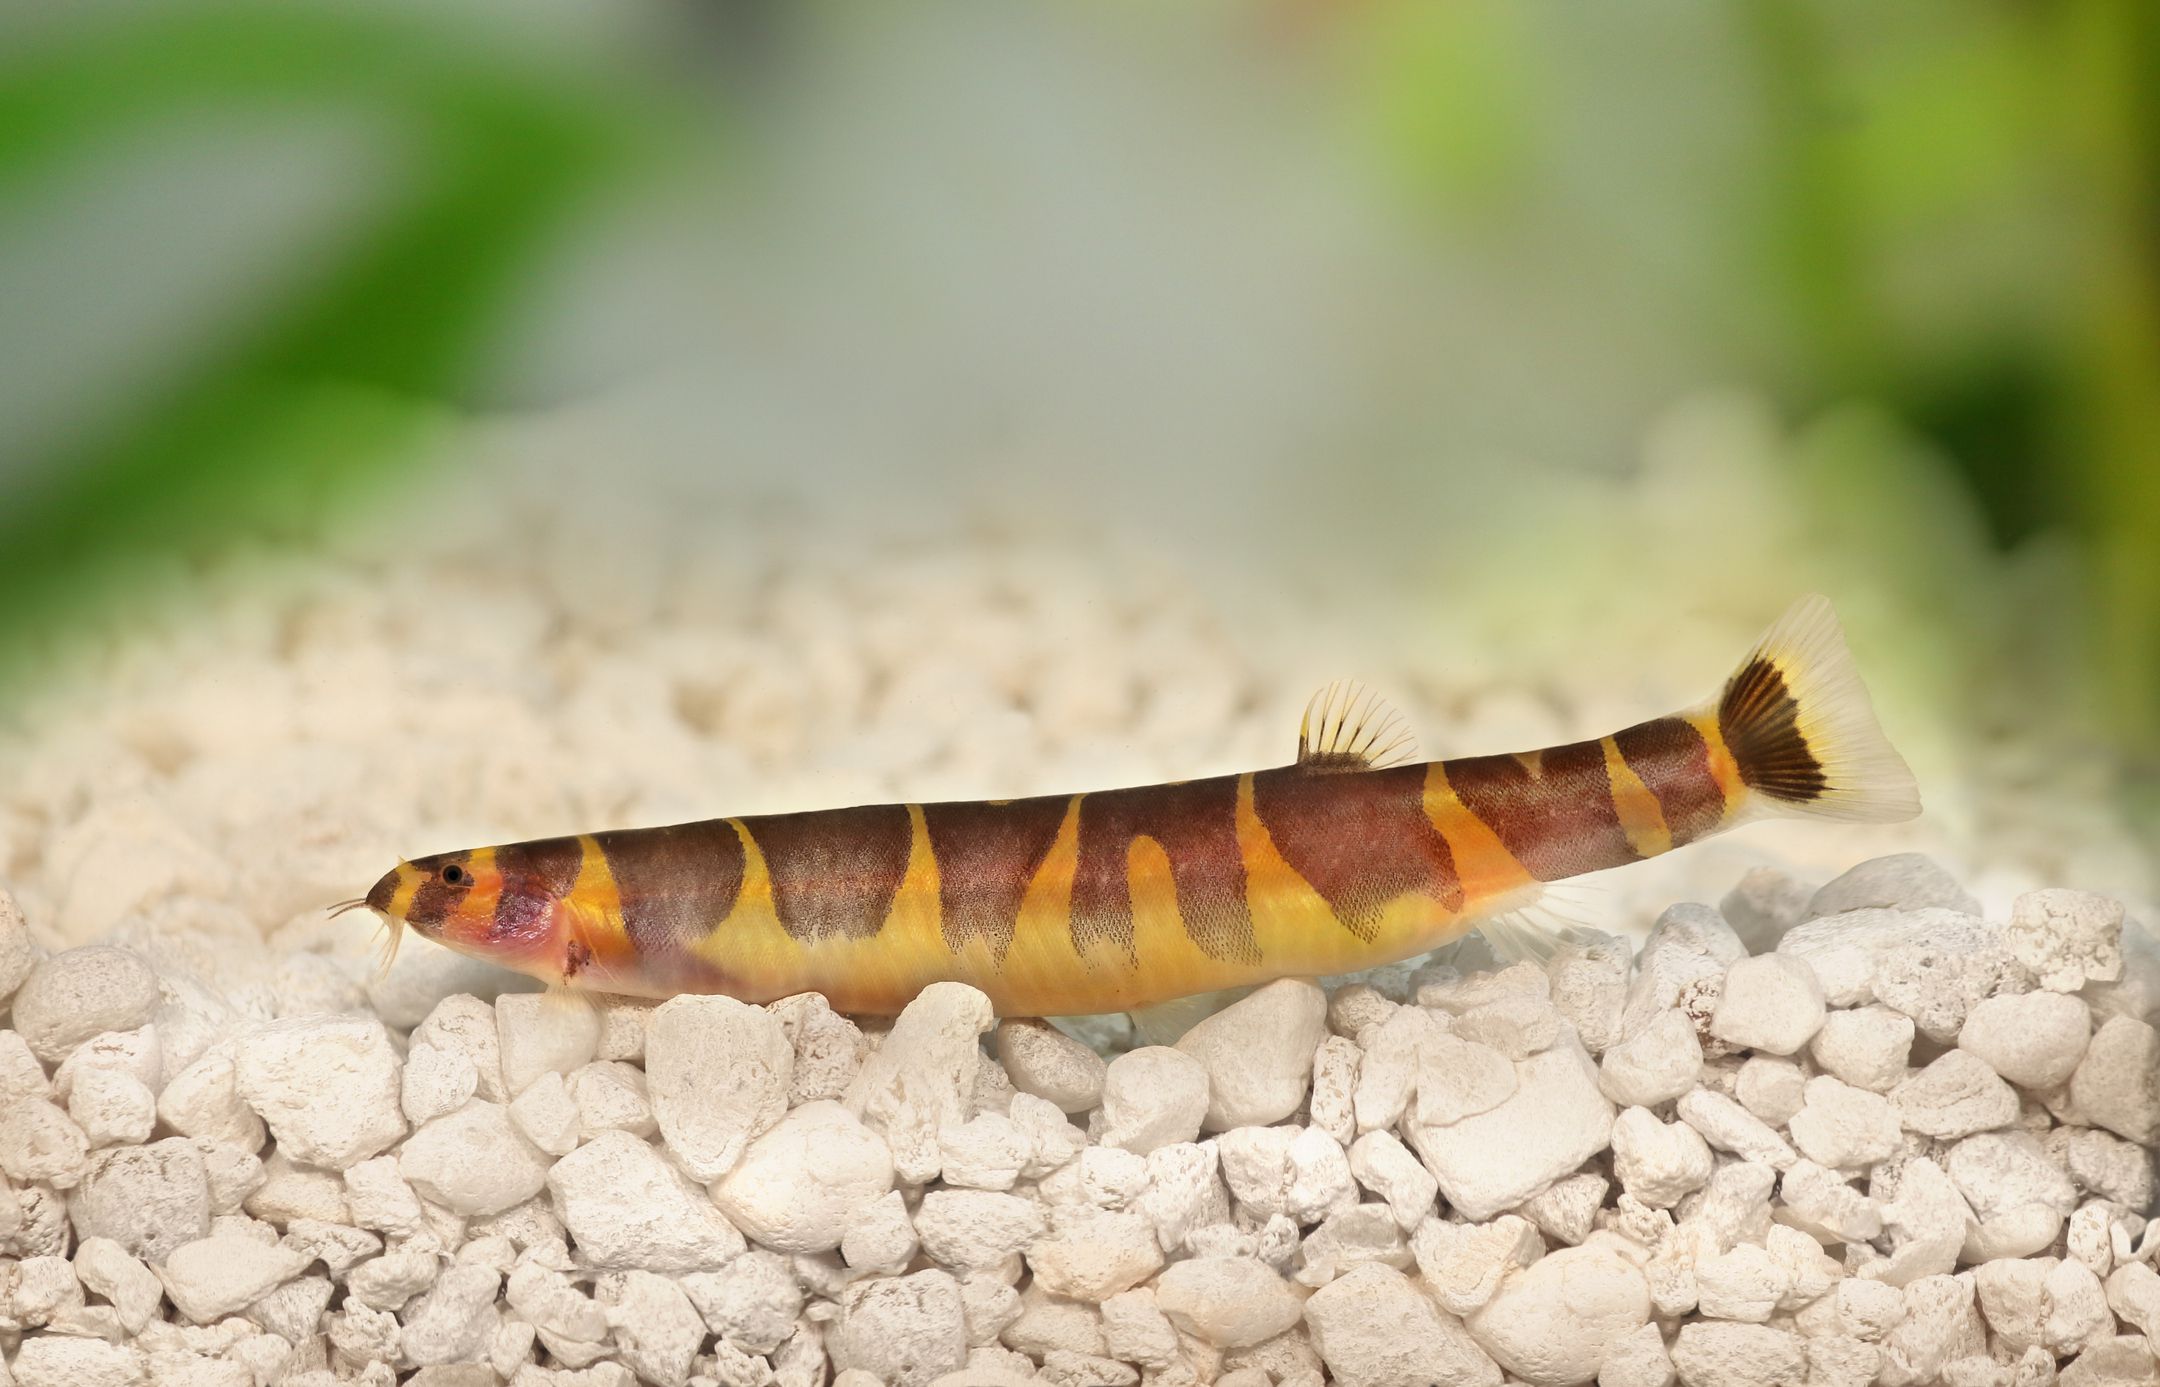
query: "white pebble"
327, 1086
1228, 1302
610, 1097
1773, 1089
1258, 1053
1385, 1166
2117, 1083
1374, 1328
1154, 1096
17, 953
1844, 1127
829, 1048
922, 1076
879, 1237
797, 1186
1730, 1127
907, 1330
1953, 1097
1925, 1224
2067, 938
71, 996
1900, 881
1459, 1078
1297, 1172
541, 1032
1589, 977
986, 1152
55, 1360
203, 1100
2020, 1196
437, 1080
112, 1107
474, 1161
1555, 1120
1867, 1047
1554, 1323
1689, 942
40, 1144
753, 1300
546, 1115
2033, 1039
1659, 1062
656, 1329
1658, 1162
976, 1230
1462, 1265
1818, 1201
1716, 1353
626, 1207
717, 1073
1044, 1061
1771, 1003
213, 1277
455, 1319
464, 1023
111, 1271
149, 1199
1092, 1255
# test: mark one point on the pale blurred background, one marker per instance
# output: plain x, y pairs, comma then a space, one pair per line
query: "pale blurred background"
478, 420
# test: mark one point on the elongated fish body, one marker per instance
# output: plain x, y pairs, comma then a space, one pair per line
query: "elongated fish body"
1123, 899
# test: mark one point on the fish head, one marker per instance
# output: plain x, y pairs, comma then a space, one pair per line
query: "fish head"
465, 901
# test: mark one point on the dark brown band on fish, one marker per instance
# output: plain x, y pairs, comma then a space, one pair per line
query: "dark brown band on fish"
987, 853
1760, 721
1359, 839
534, 876
675, 884
1673, 762
1196, 825
835, 872
1557, 820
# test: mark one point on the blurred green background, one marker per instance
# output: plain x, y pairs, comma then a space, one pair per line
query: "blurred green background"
1429, 287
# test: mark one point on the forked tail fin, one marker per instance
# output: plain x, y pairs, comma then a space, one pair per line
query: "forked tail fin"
1802, 730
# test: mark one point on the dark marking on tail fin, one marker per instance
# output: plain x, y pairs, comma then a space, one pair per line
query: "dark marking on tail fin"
1760, 721
1802, 730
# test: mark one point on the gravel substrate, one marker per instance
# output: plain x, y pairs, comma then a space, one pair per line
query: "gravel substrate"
1896, 1143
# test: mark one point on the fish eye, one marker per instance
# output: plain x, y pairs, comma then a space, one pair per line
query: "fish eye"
454, 875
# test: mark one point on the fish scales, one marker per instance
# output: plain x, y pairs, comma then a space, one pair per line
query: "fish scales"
1124, 898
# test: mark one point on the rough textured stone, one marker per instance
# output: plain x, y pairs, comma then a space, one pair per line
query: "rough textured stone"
1555, 1322
1153, 1097
473, 1161
71, 996
1258, 1053
1374, 1328
327, 1086
1555, 1120
921, 1077
717, 1073
626, 1208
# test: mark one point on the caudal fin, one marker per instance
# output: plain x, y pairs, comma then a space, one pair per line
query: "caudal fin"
1802, 730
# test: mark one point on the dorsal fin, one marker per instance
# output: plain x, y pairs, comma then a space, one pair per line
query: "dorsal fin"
1348, 727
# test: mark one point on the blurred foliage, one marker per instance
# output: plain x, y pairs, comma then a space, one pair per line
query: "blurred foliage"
1950, 210
329, 387
1945, 212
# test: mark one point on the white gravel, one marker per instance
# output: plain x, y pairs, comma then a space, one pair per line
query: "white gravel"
1896, 1125
1783, 1198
